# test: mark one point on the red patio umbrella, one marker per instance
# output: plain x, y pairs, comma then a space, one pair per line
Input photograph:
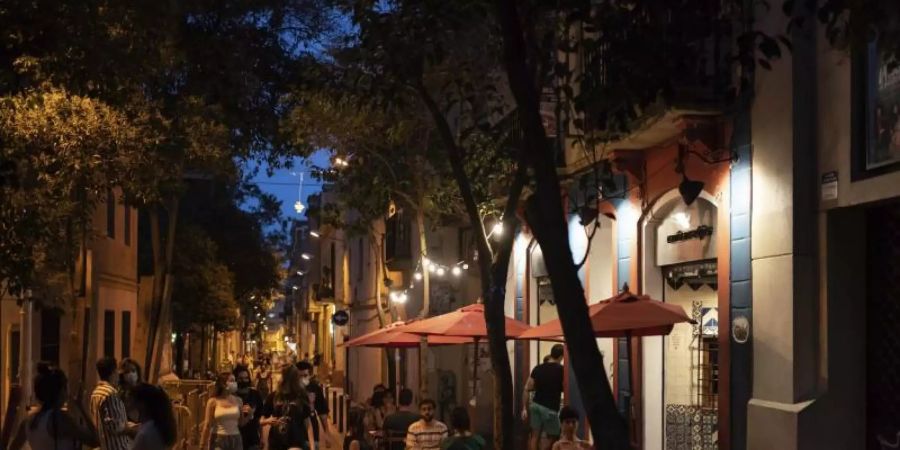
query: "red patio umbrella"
467, 322
392, 337
621, 316
625, 315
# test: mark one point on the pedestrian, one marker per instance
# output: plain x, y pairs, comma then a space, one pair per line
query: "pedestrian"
224, 415
253, 402
397, 423
157, 430
319, 418
356, 431
569, 418
427, 433
542, 410
463, 438
287, 411
108, 409
49, 427
264, 379
129, 378
374, 420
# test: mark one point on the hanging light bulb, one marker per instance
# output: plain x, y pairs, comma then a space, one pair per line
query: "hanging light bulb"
426, 262
432, 268
418, 276
465, 266
456, 271
441, 271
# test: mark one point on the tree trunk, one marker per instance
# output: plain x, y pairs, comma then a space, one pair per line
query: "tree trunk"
159, 343
493, 270
546, 217
426, 297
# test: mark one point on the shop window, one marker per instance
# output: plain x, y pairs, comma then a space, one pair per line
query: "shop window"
50, 336
109, 333
708, 372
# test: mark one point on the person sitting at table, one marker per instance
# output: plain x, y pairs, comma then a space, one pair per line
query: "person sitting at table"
396, 423
356, 432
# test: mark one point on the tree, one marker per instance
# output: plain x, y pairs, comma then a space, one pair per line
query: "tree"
387, 158
436, 59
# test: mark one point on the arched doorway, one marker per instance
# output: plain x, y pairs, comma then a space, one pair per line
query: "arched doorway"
680, 371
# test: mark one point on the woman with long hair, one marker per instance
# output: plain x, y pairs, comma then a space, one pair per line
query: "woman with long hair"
224, 416
356, 431
49, 427
287, 412
264, 378
157, 430
129, 378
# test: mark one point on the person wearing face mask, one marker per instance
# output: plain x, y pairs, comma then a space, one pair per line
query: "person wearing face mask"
253, 402
129, 378
225, 414
317, 400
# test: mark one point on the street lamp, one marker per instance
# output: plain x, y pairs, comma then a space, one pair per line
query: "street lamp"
314, 234
306, 256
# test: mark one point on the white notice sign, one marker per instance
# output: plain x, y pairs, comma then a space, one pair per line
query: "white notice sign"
830, 186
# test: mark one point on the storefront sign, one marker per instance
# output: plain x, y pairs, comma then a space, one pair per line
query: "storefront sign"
699, 233
830, 186
340, 318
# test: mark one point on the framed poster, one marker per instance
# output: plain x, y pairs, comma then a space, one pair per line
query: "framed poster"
875, 114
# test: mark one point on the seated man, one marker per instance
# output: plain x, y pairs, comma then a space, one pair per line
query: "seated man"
427, 432
396, 423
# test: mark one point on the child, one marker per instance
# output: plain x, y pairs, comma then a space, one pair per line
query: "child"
568, 419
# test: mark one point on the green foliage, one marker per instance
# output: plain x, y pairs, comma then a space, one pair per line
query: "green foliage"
204, 291
62, 152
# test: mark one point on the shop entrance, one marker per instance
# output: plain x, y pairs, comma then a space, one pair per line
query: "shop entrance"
680, 372
882, 333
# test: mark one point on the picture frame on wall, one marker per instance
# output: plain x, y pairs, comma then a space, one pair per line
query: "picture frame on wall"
875, 114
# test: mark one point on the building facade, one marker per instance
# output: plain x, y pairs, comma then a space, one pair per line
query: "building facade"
104, 316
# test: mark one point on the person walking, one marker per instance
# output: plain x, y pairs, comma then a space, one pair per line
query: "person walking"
463, 438
264, 379
108, 409
253, 402
224, 415
427, 433
319, 418
157, 430
397, 423
569, 418
287, 412
49, 427
542, 411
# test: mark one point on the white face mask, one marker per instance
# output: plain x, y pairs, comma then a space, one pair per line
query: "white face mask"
231, 387
304, 381
131, 378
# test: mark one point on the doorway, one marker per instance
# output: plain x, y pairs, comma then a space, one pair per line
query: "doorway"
680, 372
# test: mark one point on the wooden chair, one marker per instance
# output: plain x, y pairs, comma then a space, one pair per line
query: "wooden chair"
394, 440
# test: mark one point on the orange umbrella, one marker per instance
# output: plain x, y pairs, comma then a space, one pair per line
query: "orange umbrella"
621, 316
625, 315
467, 321
392, 337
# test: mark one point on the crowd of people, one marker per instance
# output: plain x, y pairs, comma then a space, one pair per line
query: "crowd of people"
255, 407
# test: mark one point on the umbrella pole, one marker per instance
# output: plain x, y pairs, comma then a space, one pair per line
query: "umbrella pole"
630, 392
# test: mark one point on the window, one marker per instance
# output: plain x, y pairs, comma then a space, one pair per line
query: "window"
126, 228
109, 333
110, 214
15, 338
126, 334
50, 336
708, 372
